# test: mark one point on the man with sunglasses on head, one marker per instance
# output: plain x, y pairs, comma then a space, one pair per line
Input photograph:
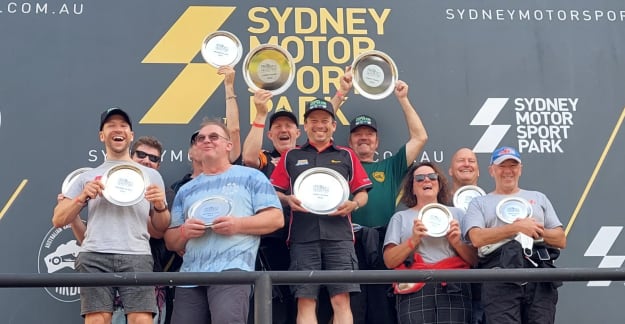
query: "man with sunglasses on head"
117, 238
386, 176
499, 244
227, 242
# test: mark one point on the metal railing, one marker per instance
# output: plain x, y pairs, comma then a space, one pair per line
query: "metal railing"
264, 280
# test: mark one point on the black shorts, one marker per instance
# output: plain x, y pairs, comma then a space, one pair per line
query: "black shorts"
323, 255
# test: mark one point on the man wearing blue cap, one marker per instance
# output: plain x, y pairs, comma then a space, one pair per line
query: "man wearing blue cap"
499, 244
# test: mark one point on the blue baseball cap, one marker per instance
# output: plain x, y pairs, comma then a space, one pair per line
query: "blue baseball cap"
505, 153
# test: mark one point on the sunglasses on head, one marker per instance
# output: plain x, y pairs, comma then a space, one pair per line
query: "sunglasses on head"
211, 137
152, 157
421, 177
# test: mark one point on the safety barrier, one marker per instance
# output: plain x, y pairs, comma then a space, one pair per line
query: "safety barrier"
264, 280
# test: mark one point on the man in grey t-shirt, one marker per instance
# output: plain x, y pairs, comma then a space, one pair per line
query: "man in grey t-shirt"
117, 238
508, 302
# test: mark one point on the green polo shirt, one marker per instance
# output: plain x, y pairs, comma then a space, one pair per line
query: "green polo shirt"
386, 176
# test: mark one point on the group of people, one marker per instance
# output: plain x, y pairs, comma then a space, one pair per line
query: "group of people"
269, 228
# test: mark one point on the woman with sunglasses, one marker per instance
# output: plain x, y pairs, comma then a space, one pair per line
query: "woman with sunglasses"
408, 245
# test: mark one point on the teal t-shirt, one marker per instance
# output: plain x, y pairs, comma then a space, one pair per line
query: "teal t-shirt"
386, 176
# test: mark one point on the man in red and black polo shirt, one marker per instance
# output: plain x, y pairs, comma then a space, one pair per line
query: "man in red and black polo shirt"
321, 242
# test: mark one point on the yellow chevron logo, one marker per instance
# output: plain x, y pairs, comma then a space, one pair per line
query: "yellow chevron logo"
186, 95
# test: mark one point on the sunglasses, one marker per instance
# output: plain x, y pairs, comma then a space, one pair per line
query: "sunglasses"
421, 177
152, 157
213, 137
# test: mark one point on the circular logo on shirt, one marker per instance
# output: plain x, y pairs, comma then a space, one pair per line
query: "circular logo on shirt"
57, 254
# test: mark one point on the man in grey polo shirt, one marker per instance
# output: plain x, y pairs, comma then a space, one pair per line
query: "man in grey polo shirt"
496, 240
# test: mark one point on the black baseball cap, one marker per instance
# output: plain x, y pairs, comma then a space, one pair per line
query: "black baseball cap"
362, 120
114, 111
282, 113
319, 104
193, 136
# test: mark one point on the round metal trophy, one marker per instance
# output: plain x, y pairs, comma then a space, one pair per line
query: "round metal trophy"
465, 194
208, 209
375, 74
124, 185
436, 218
321, 190
269, 67
71, 178
222, 48
512, 208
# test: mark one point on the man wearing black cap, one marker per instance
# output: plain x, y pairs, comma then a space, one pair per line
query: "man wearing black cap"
500, 243
283, 133
273, 253
386, 176
117, 238
321, 242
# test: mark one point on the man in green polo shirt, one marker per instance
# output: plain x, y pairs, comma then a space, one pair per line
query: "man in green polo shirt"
386, 176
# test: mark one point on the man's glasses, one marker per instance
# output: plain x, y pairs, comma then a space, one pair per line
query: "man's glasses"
152, 157
421, 177
213, 137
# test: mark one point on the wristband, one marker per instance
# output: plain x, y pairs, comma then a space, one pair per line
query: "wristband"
231, 97
255, 124
160, 210
339, 94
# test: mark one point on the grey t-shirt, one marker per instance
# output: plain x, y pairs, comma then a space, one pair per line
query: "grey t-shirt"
482, 211
112, 228
432, 249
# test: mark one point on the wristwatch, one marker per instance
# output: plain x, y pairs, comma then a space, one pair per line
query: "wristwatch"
161, 210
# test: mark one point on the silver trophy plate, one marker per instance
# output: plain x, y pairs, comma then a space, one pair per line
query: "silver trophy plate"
269, 67
124, 185
71, 178
321, 190
513, 208
375, 74
436, 218
465, 194
222, 48
208, 209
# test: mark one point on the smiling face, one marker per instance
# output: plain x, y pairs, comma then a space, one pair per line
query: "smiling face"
212, 144
506, 175
116, 136
283, 134
319, 126
148, 153
424, 188
464, 169
364, 141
